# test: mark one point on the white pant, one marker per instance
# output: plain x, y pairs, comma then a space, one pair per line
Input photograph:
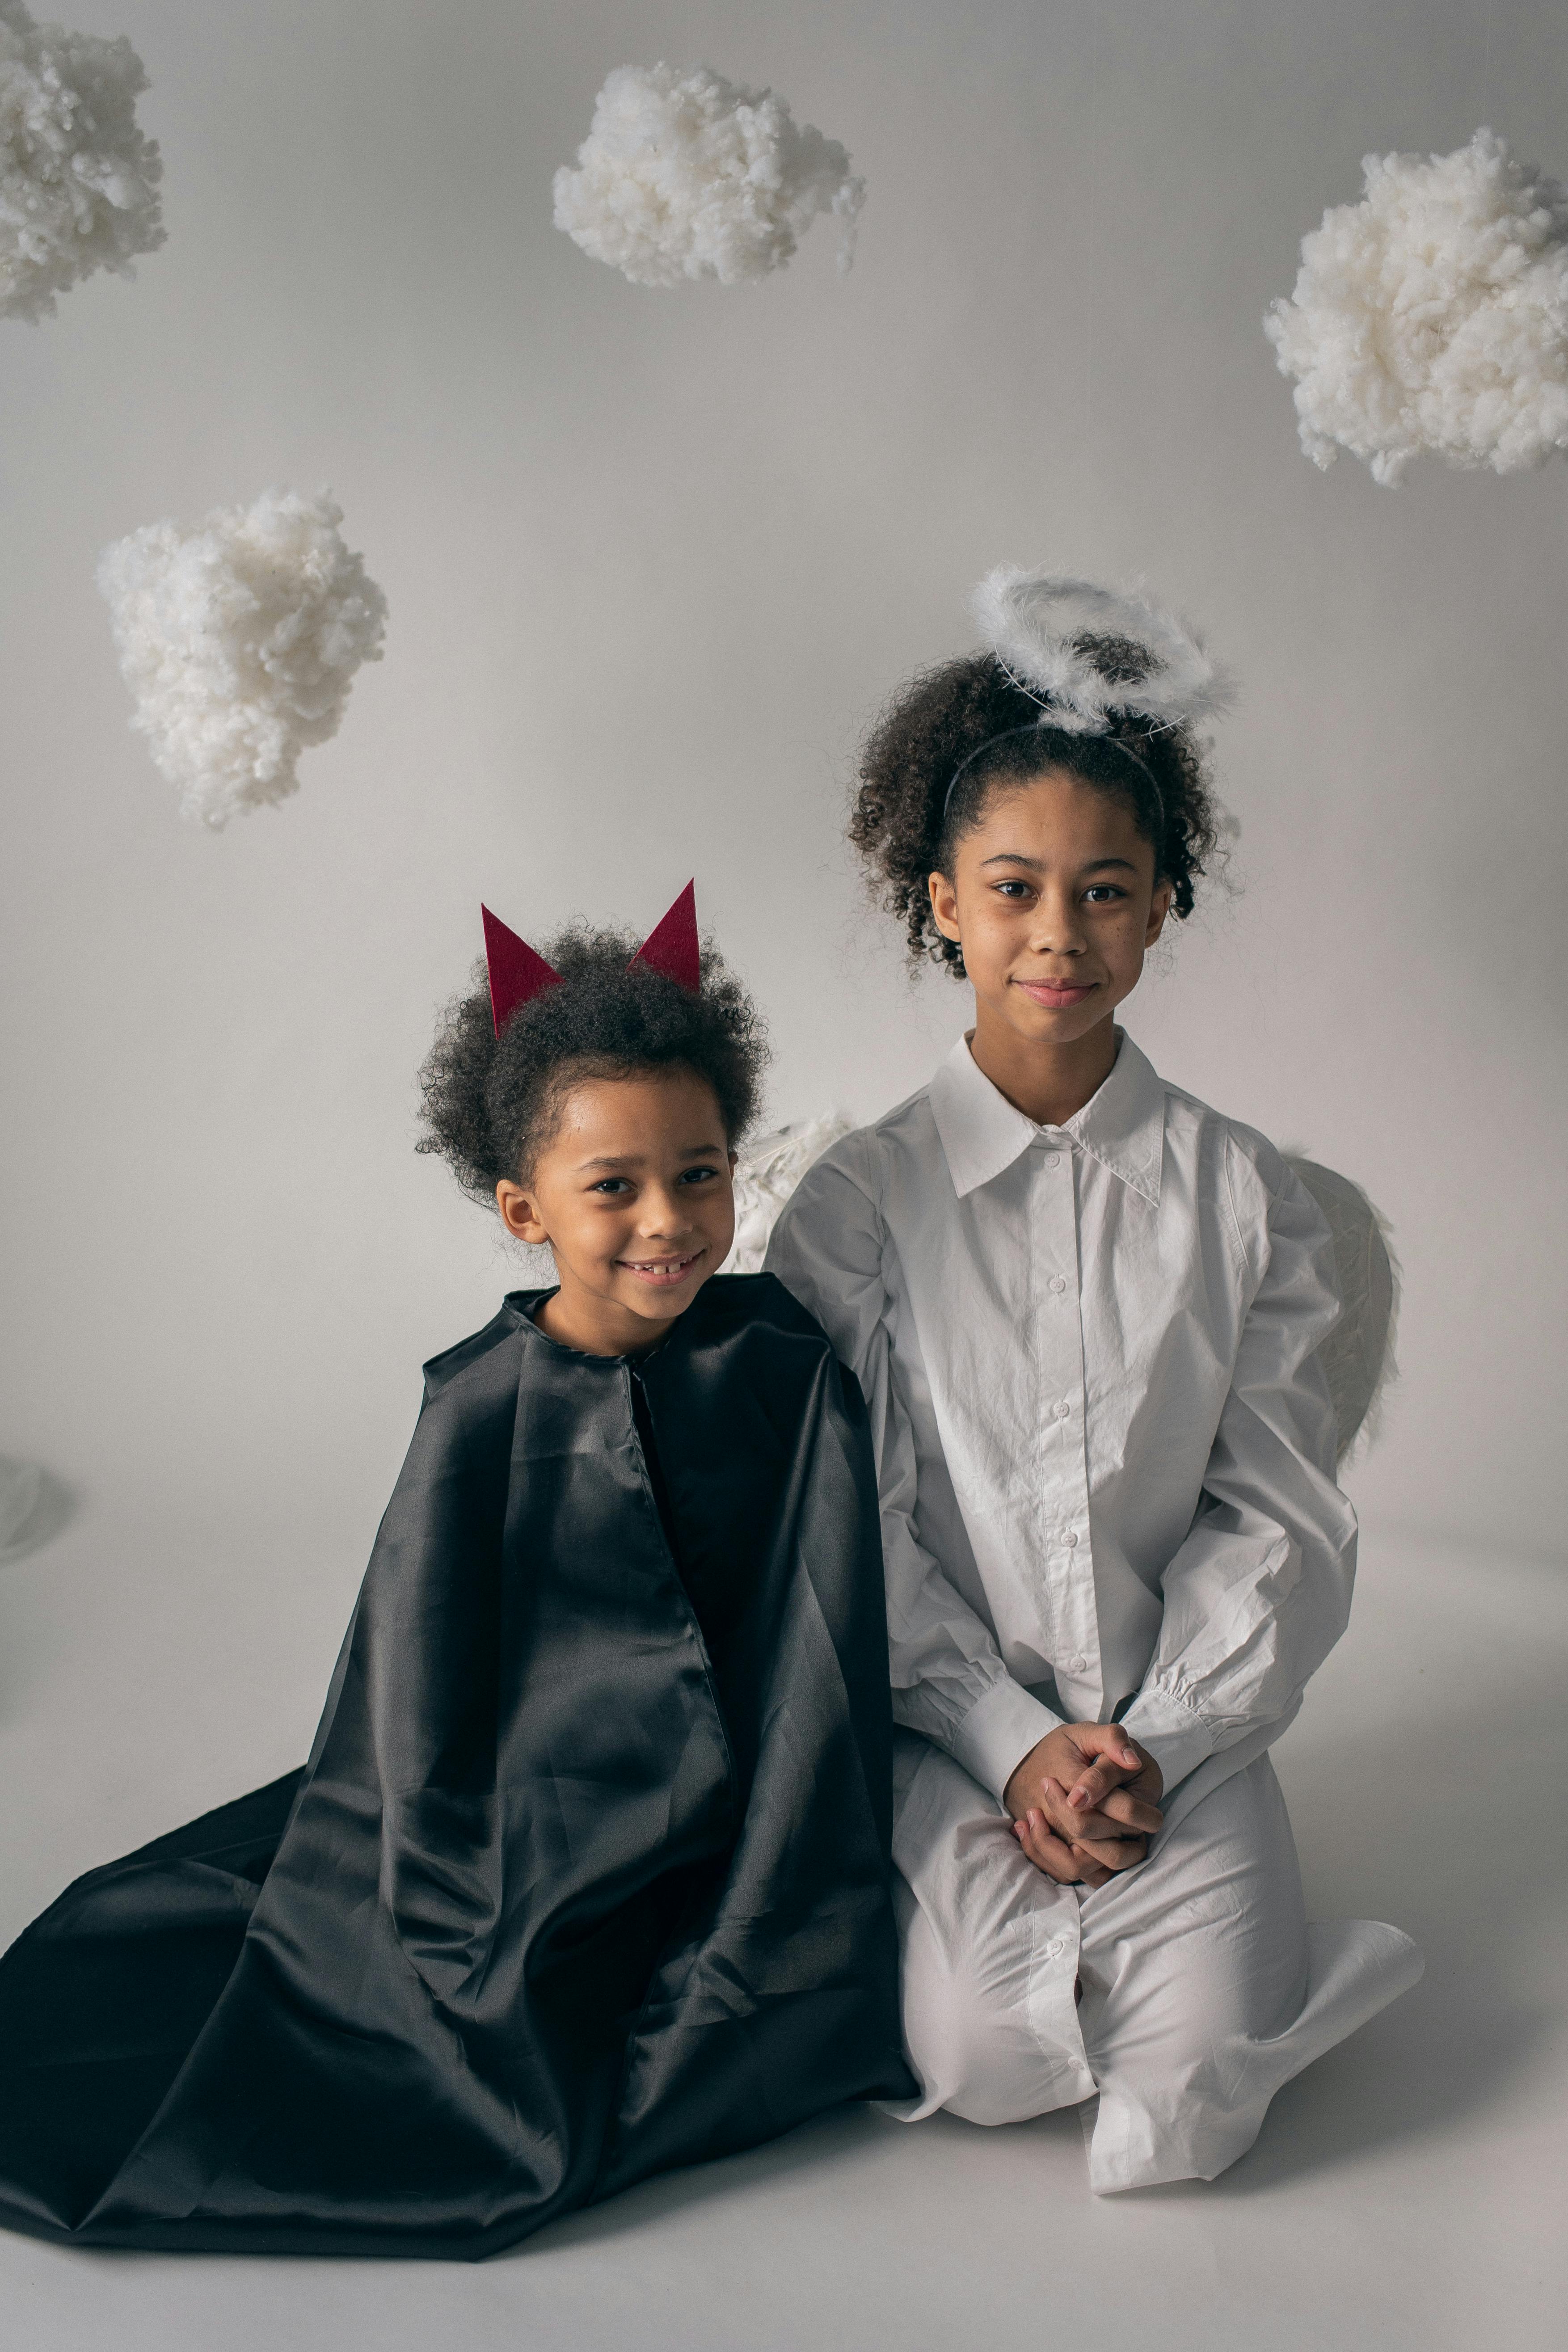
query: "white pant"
1203, 1986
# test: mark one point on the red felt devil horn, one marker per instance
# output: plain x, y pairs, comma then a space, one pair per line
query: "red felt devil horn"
671, 946
515, 972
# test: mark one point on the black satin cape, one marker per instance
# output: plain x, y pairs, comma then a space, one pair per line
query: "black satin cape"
587, 1874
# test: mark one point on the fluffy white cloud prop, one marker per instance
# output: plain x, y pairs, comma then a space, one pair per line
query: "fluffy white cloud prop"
1433, 315
78, 182
766, 1175
688, 175
239, 641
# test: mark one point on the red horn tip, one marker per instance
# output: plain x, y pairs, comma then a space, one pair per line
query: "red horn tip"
515, 972
671, 947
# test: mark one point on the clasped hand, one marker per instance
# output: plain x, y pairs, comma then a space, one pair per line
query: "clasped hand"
1082, 1802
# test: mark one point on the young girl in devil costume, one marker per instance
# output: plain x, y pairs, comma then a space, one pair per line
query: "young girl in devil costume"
587, 1874
1085, 1311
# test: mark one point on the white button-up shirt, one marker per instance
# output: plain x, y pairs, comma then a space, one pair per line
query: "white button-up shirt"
1105, 1443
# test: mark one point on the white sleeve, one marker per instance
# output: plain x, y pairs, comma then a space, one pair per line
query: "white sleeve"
829, 1248
1259, 1592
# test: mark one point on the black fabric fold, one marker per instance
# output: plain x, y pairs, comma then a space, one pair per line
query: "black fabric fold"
568, 1892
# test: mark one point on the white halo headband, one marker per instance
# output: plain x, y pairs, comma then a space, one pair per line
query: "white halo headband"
1041, 626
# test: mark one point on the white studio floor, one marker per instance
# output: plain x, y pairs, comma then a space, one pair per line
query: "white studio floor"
1410, 2191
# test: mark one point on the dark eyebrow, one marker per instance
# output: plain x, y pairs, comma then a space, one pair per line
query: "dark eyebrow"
636, 1159
1037, 865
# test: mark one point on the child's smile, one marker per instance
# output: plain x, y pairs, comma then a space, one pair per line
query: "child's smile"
1057, 995
632, 1194
667, 1271
1055, 902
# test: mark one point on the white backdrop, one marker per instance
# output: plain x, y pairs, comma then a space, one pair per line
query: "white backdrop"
653, 559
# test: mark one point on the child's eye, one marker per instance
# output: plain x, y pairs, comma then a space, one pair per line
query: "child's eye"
610, 1184
699, 1175
1100, 894
1013, 889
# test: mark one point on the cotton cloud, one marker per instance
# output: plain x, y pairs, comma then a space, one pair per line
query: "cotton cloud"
688, 175
239, 641
1433, 315
78, 182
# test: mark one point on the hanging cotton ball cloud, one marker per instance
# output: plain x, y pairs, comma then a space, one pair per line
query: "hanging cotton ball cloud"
688, 175
1433, 315
239, 641
78, 182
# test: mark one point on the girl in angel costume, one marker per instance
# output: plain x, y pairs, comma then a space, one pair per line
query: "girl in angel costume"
1084, 1311
587, 1874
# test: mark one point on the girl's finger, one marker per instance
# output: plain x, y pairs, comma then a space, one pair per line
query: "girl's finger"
1090, 1788
1109, 1742
1091, 1870
1045, 1849
1083, 1829
1113, 1853
1131, 1812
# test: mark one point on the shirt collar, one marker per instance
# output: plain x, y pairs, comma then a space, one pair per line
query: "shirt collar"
1122, 1126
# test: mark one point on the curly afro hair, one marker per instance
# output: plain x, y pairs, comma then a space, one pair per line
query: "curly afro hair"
905, 827
491, 1104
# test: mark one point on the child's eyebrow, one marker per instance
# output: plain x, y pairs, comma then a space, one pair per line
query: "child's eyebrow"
639, 1160
1037, 865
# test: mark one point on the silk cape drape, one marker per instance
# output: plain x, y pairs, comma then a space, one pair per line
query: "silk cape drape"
587, 1874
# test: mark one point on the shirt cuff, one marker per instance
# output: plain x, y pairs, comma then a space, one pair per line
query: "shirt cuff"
1178, 1740
999, 1731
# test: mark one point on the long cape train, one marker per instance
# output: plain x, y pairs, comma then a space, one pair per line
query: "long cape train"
587, 1874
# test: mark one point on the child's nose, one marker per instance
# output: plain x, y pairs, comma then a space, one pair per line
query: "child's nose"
664, 1212
1057, 927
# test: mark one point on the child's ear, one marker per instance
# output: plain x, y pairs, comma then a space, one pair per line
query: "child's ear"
1160, 908
944, 905
519, 1214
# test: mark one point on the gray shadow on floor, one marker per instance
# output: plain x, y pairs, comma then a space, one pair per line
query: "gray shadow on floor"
31, 1637
53, 1509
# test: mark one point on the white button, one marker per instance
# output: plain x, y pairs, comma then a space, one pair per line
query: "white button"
1058, 1282
1050, 1157
1077, 1663
1056, 1947
1063, 1410
1070, 1537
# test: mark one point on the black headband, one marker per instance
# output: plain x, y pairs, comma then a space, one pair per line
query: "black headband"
1035, 728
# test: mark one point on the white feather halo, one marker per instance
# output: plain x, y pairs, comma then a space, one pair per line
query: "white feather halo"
1042, 627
